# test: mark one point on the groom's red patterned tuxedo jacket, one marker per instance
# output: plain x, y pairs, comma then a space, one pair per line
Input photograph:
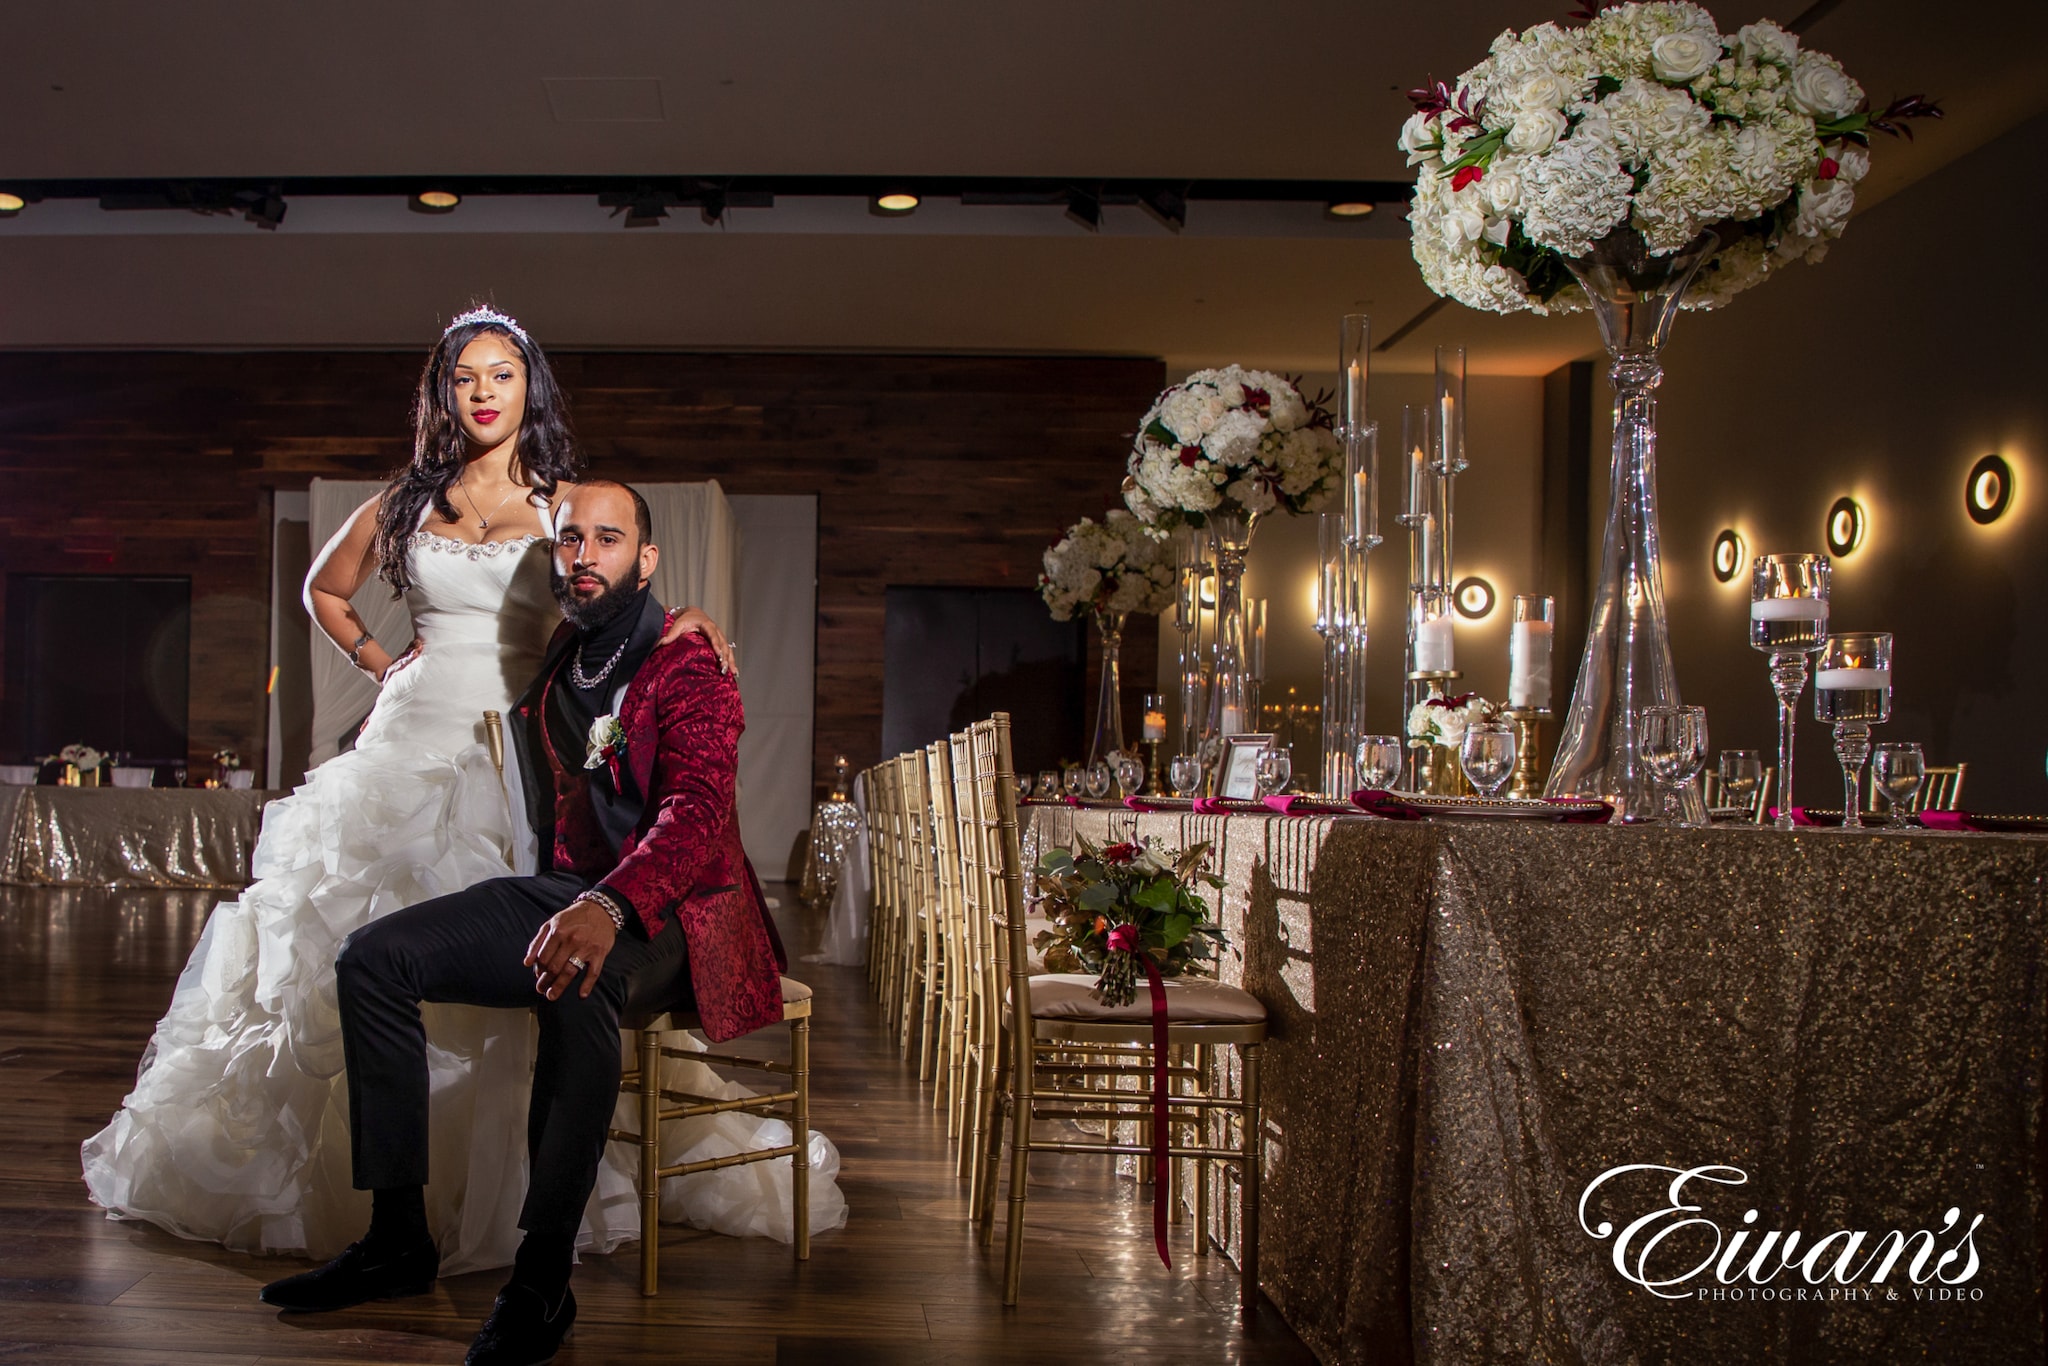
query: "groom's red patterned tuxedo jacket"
682, 856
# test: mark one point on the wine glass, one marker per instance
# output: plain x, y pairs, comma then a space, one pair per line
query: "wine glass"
1379, 760
1185, 773
1072, 780
1023, 781
1098, 779
1048, 784
1130, 774
1742, 773
1487, 754
1672, 742
1898, 768
1276, 766
1852, 689
1788, 618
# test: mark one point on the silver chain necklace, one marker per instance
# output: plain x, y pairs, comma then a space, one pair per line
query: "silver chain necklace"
588, 681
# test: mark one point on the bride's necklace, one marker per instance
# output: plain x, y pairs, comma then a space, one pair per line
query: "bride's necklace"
588, 681
483, 522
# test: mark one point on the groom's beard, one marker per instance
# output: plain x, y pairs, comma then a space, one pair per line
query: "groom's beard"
592, 614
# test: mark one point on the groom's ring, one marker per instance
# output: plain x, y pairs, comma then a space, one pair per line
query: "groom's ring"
578, 964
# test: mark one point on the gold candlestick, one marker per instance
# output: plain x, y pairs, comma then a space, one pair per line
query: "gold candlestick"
1153, 787
1530, 768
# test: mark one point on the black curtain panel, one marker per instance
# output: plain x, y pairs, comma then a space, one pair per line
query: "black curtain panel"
98, 659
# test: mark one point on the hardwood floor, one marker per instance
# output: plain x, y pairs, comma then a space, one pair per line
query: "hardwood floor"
88, 972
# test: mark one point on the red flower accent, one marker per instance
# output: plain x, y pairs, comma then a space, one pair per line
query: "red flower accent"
1120, 853
1189, 455
1259, 399
1449, 702
1470, 175
1829, 169
1125, 939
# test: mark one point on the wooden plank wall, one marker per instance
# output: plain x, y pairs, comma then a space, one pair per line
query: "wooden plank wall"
954, 471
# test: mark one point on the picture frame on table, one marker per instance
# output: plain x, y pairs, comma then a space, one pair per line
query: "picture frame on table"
1238, 773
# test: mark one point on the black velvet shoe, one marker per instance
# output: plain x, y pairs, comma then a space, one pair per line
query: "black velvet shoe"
360, 1274
523, 1329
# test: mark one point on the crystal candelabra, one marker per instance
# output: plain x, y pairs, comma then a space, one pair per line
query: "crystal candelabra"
1852, 690
1347, 538
1530, 633
1788, 620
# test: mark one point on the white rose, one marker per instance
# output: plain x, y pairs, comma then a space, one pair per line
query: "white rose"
1683, 56
1462, 224
1766, 42
1853, 162
1544, 90
1820, 87
1420, 139
1502, 187
1536, 130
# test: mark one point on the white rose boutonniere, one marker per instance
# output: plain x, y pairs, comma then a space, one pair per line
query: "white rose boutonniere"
606, 745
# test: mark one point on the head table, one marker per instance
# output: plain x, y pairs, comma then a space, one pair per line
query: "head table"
1473, 1021
129, 837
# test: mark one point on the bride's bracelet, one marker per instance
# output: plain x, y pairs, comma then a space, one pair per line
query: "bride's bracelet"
606, 904
355, 651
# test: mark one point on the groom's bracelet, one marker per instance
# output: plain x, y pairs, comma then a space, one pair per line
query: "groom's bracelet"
608, 905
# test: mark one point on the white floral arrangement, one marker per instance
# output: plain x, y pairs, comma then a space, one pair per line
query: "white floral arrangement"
84, 756
1247, 438
1116, 565
1648, 117
1443, 720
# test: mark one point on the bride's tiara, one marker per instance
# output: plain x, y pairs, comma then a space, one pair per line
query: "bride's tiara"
491, 316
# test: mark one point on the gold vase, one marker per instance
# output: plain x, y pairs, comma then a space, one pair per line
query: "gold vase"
1438, 772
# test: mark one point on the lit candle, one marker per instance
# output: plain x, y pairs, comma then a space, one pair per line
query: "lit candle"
1433, 646
1233, 720
1155, 725
1529, 664
1448, 435
1361, 504
1418, 482
1841, 680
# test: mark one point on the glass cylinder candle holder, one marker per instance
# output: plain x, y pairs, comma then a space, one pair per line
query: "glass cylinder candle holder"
1530, 633
1362, 486
1852, 690
1788, 618
1434, 650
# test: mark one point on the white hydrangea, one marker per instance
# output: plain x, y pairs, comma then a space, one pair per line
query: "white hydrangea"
1116, 565
1444, 721
1243, 438
1646, 116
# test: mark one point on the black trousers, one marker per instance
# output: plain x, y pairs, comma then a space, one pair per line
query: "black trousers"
467, 949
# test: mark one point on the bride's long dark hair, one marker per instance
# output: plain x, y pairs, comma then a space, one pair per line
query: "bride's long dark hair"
546, 453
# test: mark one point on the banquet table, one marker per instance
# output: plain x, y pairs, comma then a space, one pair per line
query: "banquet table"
1472, 1021
129, 837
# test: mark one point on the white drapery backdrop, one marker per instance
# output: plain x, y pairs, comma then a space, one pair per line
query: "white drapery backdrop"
693, 525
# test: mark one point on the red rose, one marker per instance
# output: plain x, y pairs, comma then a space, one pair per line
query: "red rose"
1120, 853
1189, 455
1829, 169
1471, 175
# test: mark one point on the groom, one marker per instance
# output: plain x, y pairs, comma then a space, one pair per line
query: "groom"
627, 750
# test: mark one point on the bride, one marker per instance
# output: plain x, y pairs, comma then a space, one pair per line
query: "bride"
237, 1129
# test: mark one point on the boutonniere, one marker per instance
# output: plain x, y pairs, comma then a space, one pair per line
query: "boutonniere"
606, 745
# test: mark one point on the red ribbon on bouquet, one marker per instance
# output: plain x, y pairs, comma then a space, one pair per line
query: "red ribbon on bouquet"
1126, 939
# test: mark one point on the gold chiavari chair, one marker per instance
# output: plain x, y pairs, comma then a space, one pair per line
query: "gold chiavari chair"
1941, 789
948, 1023
918, 910
900, 908
978, 884
1061, 1018
648, 1020
881, 856
1759, 804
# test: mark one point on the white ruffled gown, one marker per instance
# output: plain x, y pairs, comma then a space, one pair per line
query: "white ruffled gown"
237, 1129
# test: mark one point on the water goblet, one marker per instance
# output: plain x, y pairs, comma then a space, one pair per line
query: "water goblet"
1852, 690
1098, 779
1276, 766
1073, 780
1788, 618
1023, 782
1672, 743
1130, 774
1048, 784
1487, 754
1742, 773
1185, 773
1897, 768
1379, 761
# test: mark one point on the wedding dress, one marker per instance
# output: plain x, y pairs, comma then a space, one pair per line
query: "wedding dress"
237, 1129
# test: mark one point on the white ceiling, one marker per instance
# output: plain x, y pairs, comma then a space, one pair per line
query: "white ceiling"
1068, 88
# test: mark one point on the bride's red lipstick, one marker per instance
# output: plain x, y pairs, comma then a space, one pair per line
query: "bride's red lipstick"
486, 416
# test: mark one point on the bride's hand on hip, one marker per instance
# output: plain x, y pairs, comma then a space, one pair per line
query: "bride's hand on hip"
692, 621
412, 652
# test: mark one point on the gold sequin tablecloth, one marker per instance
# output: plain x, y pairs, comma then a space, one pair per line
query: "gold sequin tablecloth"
129, 837
1472, 1022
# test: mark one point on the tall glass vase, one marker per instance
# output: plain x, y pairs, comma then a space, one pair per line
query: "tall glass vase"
1109, 697
1627, 665
1230, 688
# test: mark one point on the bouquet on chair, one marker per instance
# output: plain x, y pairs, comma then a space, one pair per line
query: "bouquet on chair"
1109, 905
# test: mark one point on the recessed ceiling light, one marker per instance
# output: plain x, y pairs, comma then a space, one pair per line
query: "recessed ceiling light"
1350, 208
11, 203
434, 201
893, 203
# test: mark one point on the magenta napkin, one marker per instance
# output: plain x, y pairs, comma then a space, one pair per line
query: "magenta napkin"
1379, 802
1947, 820
1601, 817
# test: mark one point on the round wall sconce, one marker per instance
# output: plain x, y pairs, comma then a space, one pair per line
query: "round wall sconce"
1728, 555
1473, 597
1989, 492
1846, 525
